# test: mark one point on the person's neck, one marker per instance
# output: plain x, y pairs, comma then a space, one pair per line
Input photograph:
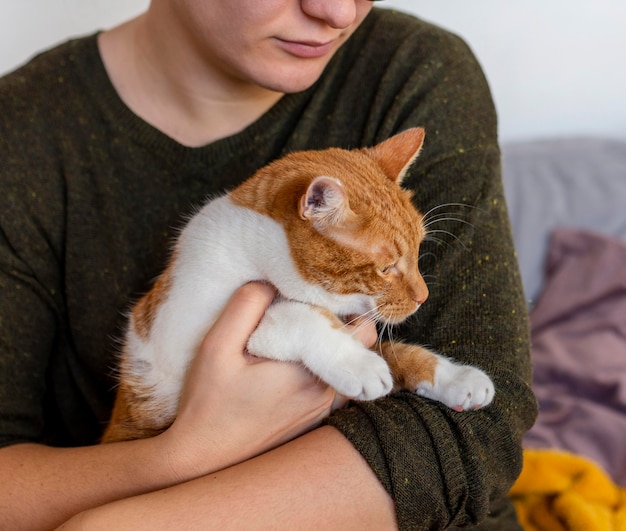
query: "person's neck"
169, 86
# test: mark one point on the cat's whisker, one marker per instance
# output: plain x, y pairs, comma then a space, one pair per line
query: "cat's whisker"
444, 205
389, 329
370, 315
380, 336
444, 217
446, 232
440, 215
424, 255
438, 241
435, 215
381, 333
431, 280
390, 333
363, 324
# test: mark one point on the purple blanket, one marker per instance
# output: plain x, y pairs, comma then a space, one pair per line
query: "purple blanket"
579, 350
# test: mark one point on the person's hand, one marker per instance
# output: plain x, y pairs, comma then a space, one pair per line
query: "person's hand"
235, 406
363, 329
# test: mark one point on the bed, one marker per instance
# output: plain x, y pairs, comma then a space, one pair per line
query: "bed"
567, 202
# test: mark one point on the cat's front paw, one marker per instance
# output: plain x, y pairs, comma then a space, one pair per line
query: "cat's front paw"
364, 375
460, 387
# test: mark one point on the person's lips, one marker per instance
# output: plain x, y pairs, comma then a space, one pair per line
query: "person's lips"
306, 49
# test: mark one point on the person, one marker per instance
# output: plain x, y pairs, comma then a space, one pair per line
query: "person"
109, 141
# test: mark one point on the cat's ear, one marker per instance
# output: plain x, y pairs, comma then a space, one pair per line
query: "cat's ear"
398, 152
325, 202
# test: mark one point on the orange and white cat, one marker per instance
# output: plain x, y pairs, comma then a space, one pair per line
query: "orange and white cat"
337, 235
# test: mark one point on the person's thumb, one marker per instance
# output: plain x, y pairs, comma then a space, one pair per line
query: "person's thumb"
239, 318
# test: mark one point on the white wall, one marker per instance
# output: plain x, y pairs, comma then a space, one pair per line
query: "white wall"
28, 26
556, 67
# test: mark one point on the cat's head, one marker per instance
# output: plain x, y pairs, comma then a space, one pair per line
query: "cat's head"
352, 230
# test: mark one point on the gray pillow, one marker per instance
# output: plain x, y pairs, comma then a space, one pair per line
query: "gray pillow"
577, 183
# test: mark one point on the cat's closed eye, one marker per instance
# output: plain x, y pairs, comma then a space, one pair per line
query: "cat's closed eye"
390, 270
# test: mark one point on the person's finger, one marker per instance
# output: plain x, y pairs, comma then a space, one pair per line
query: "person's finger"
338, 402
364, 330
241, 315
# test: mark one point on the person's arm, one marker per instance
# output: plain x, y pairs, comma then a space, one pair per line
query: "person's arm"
43, 486
317, 481
232, 409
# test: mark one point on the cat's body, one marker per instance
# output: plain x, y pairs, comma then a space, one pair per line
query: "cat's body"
338, 237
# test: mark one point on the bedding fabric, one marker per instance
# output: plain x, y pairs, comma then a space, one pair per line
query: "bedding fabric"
559, 490
573, 182
579, 350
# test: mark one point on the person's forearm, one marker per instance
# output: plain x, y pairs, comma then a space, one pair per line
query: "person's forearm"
318, 481
49, 485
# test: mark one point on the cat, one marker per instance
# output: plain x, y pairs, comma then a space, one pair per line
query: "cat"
336, 234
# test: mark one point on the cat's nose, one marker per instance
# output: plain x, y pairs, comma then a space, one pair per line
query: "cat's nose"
421, 299
420, 294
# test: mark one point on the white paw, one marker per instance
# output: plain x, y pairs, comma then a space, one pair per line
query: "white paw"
360, 374
296, 332
460, 387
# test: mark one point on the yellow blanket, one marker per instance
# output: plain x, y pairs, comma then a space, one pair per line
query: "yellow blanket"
560, 491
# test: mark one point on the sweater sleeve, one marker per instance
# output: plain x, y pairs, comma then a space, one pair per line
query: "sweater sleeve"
30, 271
445, 468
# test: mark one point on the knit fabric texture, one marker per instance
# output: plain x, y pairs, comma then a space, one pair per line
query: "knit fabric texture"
92, 196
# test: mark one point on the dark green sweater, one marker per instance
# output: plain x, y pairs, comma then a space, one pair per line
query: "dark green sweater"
91, 197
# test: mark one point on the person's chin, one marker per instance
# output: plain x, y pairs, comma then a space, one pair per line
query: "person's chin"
299, 78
